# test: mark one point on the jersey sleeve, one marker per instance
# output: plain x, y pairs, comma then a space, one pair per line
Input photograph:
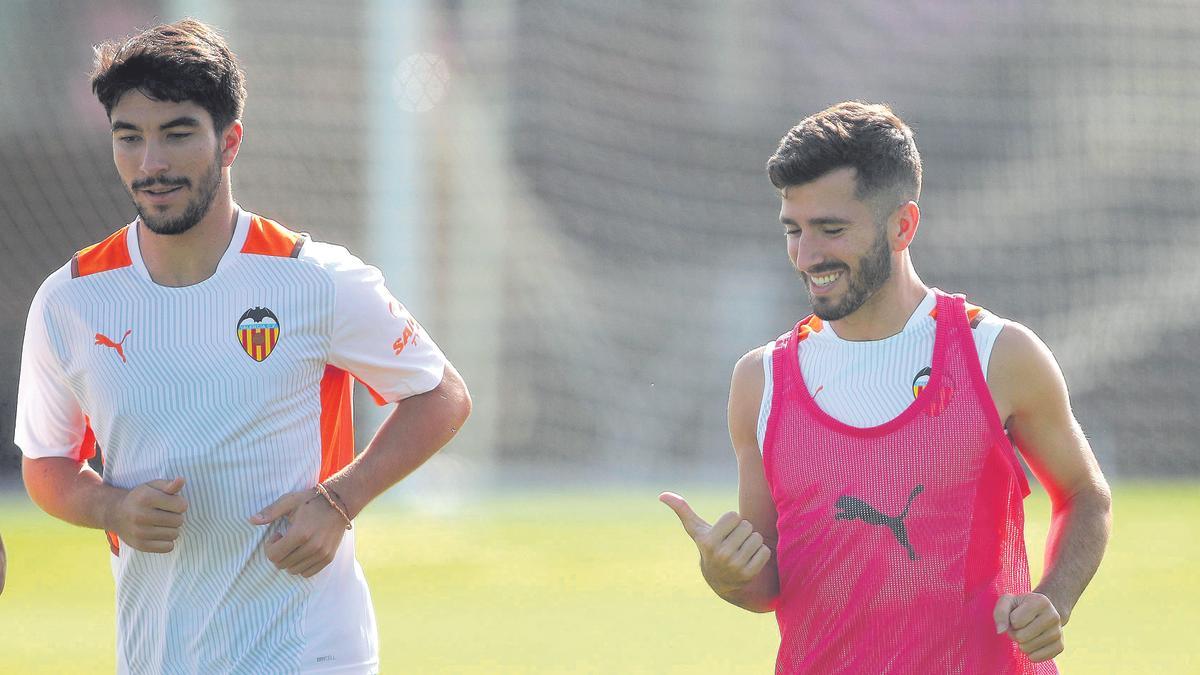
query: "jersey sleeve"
50, 422
374, 337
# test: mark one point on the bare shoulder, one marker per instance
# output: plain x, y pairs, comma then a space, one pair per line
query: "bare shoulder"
745, 398
1022, 373
749, 368
1018, 348
749, 378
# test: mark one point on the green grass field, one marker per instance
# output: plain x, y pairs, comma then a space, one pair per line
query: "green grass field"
599, 583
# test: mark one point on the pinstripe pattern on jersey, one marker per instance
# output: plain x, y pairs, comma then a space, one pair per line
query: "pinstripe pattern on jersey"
868, 383
188, 402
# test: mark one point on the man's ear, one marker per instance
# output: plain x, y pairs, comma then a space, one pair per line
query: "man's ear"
902, 225
231, 142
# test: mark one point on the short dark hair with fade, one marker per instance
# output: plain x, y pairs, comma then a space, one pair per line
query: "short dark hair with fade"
182, 61
866, 136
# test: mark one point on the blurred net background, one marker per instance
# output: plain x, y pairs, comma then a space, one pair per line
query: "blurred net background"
571, 195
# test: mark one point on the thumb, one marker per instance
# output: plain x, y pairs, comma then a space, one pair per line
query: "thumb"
692, 523
171, 487
278, 509
1004, 606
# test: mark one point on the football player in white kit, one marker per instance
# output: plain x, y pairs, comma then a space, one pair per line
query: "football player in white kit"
210, 354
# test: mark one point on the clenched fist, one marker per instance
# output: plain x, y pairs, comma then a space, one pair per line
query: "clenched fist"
149, 516
1032, 620
731, 552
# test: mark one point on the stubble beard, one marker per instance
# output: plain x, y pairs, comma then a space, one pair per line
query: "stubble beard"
195, 210
874, 270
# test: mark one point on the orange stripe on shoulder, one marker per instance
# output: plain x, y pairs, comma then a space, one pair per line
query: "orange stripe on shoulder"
267, 237
974, 314
110, 254
809, 325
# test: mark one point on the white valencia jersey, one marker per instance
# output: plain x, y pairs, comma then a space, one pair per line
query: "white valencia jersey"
240, 384
867, 383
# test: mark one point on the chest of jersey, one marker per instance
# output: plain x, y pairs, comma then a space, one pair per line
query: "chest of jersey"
915, 521
194, 373
905, 499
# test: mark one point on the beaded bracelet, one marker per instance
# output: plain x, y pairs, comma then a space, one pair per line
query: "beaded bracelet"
324, 492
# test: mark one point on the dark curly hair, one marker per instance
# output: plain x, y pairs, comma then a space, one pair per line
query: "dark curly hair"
182, 61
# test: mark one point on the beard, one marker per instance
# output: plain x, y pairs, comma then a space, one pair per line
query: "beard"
193, 212
874, 269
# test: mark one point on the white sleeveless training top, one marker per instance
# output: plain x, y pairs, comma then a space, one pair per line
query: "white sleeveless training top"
867, 383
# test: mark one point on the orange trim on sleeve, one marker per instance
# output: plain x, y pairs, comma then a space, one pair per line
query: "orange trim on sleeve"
267, 237
337, 421
379, 399
86, 451
110, 254
87, 447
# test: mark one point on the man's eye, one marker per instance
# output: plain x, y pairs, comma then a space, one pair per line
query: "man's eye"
129, 139
836, 230
177, 136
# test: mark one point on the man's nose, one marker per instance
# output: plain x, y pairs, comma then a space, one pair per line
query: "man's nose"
154, 161
808, 253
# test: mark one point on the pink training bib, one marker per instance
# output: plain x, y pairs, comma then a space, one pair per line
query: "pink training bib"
895, 542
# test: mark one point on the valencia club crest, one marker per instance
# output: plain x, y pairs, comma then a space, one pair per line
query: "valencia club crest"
258, 332
921, 381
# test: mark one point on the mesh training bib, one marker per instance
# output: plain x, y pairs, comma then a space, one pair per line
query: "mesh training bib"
896, 541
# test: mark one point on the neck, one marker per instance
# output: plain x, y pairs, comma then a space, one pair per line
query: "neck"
191, 257
886, 312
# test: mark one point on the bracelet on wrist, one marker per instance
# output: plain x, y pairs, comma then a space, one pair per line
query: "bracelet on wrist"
326, 493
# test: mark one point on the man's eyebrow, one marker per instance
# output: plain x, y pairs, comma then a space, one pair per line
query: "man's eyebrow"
181, 121
824, 220
828, 220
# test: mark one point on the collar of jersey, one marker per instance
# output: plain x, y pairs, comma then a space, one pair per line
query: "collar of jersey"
921, 313
235, 245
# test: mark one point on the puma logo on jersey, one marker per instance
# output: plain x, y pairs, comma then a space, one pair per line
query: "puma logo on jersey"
102, 339
853, 508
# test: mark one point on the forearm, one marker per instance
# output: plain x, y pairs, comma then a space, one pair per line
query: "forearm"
416, 429
759, 595
1079, 531
71, 491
